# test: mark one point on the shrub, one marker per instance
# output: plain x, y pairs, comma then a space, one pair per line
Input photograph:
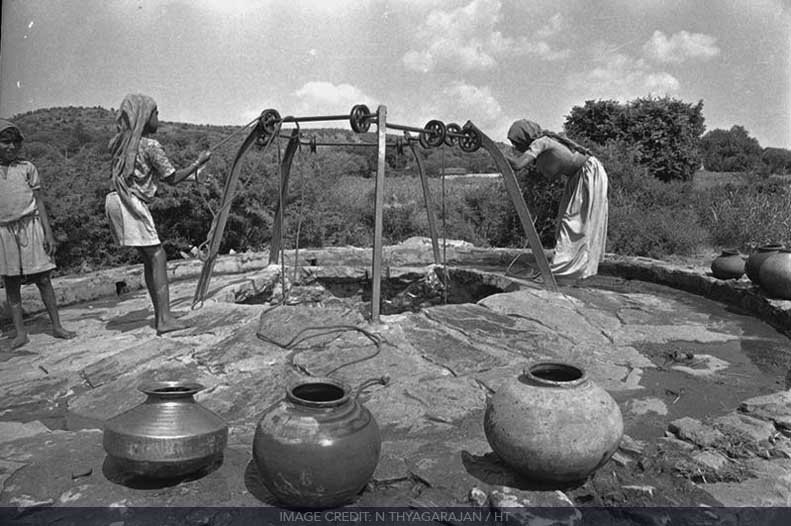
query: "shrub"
747, 216
667, 131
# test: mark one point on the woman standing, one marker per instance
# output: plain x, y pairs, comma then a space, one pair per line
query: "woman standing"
139, 164
581, 232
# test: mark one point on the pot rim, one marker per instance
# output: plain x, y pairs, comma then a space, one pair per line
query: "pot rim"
771, 247
343, 386
530, 373
730, 252
170, 388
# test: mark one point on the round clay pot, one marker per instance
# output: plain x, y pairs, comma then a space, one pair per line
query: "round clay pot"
753, 264
318, 447
169, 435
728, 265
553, 424
775, 275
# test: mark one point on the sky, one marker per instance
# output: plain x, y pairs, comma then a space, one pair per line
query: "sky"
487, 61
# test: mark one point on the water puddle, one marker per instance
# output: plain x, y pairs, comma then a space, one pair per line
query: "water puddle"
700, 379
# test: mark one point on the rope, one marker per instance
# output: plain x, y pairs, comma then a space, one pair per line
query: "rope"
202, 247
444, 237
324, 330
282, 205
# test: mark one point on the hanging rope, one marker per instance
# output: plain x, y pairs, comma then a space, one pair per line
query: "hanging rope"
445, 276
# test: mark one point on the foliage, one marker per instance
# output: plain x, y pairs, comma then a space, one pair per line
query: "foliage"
666, 131
648, 217
747, 216
777, 160
730, 150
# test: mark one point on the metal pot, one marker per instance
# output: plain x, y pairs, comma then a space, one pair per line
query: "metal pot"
319, 446
169, 435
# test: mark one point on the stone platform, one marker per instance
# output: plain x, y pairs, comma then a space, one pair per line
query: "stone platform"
704, 425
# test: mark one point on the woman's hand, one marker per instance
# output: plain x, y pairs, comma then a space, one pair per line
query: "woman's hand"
204, 157
50, 245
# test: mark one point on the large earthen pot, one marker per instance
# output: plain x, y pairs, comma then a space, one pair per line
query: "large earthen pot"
169, 435
752, 266
728, 265
553, 424
319, 446
775, 275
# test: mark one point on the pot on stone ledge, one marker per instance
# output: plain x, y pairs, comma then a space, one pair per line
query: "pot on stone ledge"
753, 264
552, 424
728, 265
775, 275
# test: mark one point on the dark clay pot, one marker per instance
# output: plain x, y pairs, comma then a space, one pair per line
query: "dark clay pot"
775, 275
753, 264
728, 265
319, 446
553, 424
169, 435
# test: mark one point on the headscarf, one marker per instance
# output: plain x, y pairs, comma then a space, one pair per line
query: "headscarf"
8, 125
523, 132
133, 116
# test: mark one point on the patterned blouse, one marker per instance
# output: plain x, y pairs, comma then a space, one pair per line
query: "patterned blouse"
151, 166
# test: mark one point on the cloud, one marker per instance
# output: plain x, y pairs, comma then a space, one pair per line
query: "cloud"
466, 39
324, 98
619, 76
680, 47
316, 98
456, 102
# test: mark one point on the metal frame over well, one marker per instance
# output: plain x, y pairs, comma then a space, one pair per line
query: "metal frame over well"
434, 134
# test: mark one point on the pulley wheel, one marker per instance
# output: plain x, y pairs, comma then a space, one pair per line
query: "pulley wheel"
268, 121
433, 134
452, 131
360, 118
469, 141
423, 141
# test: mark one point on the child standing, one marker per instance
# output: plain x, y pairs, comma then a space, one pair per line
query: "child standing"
139, 165
26, 242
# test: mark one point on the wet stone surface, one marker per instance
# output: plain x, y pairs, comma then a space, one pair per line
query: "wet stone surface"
701, 386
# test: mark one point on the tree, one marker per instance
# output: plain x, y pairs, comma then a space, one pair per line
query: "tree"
777, 160
666, 131
730, 150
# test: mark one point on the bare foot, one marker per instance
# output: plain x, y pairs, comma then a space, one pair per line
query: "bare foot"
171, 325
19, 340
63, 334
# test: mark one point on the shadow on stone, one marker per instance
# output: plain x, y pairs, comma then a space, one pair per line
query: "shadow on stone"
489, 469
113, 471
130, 321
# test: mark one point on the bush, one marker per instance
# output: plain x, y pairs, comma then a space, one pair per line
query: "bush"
666, 131
747, 216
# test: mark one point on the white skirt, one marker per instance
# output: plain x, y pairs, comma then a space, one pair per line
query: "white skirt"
130, 229
22, 246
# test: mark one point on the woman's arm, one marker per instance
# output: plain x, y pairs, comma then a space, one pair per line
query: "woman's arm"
520, 161
49, 240
182, 173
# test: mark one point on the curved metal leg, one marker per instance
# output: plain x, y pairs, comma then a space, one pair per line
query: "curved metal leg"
432, 221
285, 173
512, 186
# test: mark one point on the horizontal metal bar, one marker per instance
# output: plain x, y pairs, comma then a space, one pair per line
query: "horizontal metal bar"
316, 118
406, 128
